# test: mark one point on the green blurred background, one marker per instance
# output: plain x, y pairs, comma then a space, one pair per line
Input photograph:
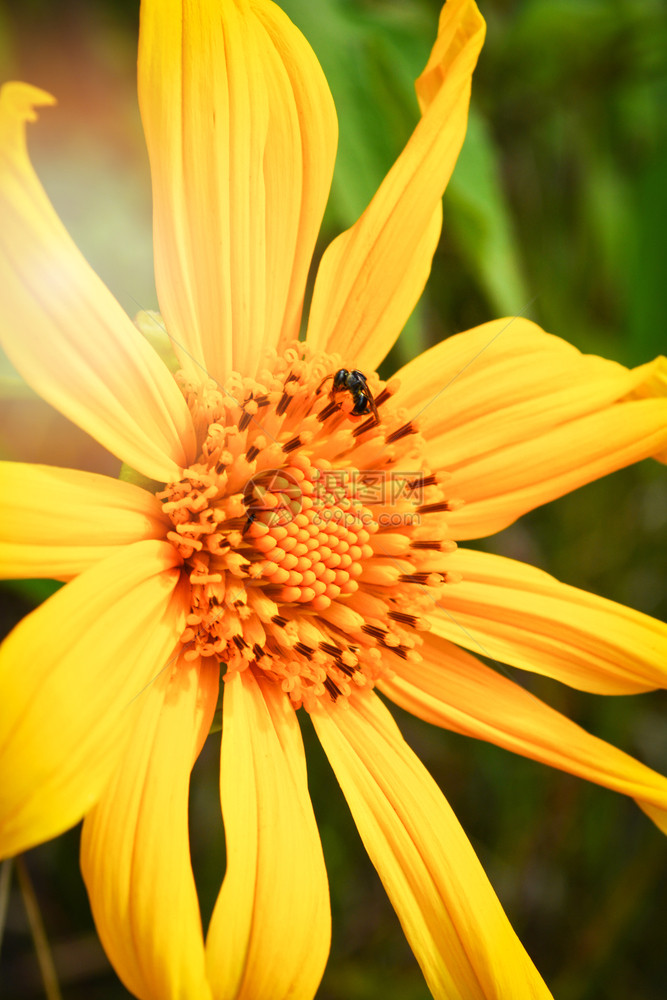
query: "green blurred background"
558, 210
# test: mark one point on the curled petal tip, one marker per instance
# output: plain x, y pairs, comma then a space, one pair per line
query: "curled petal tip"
20, 100
17, 106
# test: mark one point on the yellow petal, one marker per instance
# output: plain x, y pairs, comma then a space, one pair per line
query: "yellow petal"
520, 615
57, 522
451, 688
271, 926
450, 915
499, 488
241, 134
65, 332
653, 386
519, 417
135, 851
71, 674
371, 276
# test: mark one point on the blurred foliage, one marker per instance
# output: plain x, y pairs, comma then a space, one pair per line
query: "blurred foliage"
557, 210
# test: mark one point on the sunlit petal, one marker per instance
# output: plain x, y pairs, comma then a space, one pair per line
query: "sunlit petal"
520, 615
449, 912
135, 851
652, 385
519, 417
371, 276
316, 145
65, 332
56, 523
71, 674
241, 134
270, 930
451, 688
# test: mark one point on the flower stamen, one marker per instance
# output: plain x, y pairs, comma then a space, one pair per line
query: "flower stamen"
300, 533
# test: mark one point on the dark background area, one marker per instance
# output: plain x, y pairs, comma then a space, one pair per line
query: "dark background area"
559, 200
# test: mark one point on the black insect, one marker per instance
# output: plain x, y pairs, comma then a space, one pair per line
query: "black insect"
356, 384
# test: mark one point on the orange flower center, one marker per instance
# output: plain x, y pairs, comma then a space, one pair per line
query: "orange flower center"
312, 537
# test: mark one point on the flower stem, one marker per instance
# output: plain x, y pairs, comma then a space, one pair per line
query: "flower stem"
5, 882
42, 949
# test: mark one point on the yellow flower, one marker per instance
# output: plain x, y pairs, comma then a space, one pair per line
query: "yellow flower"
304, 551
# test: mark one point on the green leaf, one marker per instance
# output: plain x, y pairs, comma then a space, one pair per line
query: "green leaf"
34, 591
476, 213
